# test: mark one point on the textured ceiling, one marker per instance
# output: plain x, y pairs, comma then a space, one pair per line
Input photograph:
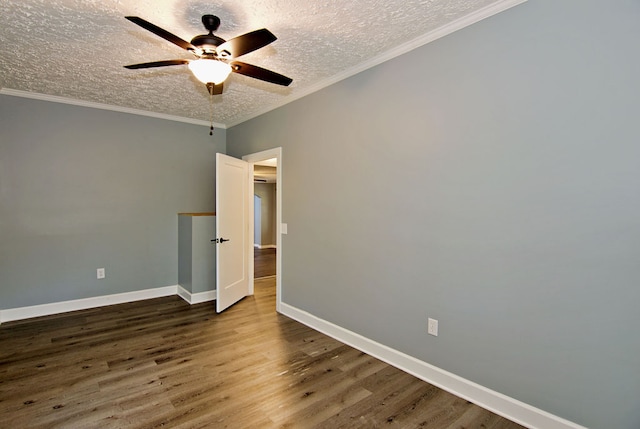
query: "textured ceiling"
76, 48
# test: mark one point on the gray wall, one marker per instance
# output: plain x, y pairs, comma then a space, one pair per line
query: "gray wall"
196, 253
267, 192
83, 188
490, 180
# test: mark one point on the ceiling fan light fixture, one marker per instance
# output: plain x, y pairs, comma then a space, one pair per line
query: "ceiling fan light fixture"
208, 70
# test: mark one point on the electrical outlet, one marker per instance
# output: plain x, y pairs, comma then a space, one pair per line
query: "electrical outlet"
100, 273
432, 327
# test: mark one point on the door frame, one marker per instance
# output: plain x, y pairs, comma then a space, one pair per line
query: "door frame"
252, 159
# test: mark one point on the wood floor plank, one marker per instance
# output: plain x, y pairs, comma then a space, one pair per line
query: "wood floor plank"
162, 363
264, 262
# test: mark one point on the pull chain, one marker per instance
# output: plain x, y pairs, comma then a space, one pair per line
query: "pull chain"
211, 112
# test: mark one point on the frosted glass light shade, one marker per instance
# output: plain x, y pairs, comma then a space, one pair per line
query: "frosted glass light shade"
210, 71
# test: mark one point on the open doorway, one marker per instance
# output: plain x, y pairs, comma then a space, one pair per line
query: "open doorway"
264, 219
266, 181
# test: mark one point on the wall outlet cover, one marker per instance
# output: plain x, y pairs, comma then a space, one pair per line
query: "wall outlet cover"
432, 327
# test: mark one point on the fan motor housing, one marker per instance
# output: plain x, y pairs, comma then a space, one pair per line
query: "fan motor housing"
207, 41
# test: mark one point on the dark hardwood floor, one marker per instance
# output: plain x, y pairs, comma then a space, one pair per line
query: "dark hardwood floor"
163, 363
264, 262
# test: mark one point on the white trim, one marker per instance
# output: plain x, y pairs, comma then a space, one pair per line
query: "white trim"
458, 24
265, 246
94, 105
252, 159
196, 298
83, 304
100, 301
491, 400
184, 294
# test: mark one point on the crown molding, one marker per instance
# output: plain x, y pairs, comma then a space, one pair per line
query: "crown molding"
94, 105
429, 37
458, 24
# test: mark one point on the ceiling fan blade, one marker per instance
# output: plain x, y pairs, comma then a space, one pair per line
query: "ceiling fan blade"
161, 32
157, 64
259, 73
245, 43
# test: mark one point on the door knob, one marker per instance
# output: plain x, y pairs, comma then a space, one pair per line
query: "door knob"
220, 240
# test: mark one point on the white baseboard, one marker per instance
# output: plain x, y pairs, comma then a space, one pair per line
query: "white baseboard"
196, 298
100, 301
265, 246
184, 294
83, 304
510, 408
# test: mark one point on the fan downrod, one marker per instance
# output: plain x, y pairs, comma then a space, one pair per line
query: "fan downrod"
208, 42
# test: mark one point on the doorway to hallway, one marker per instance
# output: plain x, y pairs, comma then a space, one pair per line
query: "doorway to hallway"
270, 252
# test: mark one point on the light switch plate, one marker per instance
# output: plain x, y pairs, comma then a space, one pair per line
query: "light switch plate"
283, 228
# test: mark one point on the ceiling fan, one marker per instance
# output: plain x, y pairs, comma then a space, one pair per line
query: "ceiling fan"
214, 55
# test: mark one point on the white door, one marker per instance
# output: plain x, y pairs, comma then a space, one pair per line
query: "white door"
232, 227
